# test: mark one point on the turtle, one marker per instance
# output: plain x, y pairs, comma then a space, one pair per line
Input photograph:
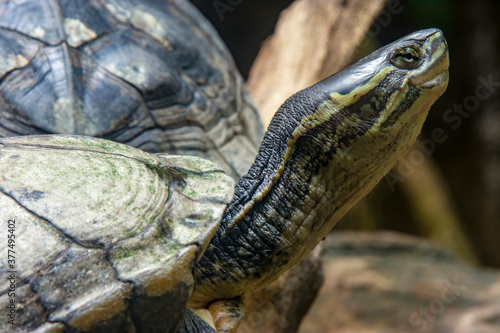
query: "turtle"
151, 74
326, 147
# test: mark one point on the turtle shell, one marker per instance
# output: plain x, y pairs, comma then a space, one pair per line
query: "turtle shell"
105, 235
148, 73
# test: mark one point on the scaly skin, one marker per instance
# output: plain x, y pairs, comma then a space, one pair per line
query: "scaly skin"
325, 149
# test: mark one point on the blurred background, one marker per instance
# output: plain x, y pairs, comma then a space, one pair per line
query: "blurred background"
421, 252
453, 196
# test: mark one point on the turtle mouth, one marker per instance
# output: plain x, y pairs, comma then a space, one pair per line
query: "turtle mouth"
434, 72
438, 80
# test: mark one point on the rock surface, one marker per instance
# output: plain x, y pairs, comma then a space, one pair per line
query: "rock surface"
393, 283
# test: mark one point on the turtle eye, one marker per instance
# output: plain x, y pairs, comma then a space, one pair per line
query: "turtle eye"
406, 58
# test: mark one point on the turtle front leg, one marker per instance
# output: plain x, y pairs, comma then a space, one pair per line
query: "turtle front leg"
221, 316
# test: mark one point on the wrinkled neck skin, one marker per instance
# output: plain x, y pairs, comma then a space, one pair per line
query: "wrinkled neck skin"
318, 158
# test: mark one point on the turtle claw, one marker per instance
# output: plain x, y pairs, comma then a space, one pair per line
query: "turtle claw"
227, 314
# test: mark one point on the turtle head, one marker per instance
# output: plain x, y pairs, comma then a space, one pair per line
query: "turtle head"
391, 90
394, 84
367, 116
